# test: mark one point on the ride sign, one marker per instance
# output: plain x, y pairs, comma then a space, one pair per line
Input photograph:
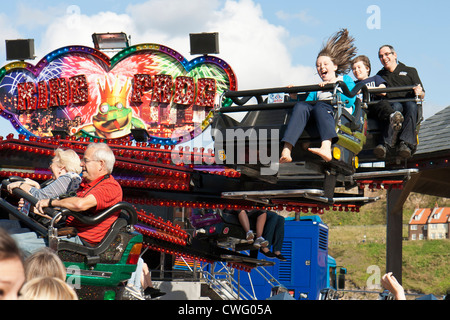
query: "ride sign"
82, 91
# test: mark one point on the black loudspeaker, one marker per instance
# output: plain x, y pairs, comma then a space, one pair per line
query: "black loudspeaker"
21, 49
204, 43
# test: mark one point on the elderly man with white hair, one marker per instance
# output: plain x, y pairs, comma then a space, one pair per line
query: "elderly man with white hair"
98, 191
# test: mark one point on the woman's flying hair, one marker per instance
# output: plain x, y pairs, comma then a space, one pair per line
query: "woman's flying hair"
341, 50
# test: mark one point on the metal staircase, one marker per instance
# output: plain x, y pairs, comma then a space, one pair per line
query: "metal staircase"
224, 280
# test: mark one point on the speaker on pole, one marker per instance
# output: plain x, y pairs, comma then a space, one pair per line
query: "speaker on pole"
204, 43
20, 49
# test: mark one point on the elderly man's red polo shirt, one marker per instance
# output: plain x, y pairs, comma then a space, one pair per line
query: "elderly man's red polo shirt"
107, 191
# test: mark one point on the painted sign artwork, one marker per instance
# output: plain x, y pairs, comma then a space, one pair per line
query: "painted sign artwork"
83, 92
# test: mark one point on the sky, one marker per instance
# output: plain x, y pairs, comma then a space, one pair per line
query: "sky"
268, 43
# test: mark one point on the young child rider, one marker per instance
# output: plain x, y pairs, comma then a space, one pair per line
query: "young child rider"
382, 111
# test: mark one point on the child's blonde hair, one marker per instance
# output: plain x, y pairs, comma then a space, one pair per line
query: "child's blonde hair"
341, 51
44, 263
47, 288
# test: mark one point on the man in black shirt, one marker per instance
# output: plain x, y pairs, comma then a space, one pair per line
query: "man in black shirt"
397, 75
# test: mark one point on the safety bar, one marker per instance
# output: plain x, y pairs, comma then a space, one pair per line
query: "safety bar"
241, 97
25, 195
29, 222
416, 99
394, 89
391, 89
124, 207
307, 88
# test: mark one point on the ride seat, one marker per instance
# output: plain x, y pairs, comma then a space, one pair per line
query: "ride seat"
357, 118
111, 248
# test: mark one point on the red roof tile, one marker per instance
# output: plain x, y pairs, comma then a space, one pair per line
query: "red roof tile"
440, 215
420, 216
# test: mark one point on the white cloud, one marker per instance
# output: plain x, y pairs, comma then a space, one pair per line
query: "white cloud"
77, 29
257, 50
175, 17
32, 17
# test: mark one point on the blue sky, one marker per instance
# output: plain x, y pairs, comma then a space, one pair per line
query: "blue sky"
268, 43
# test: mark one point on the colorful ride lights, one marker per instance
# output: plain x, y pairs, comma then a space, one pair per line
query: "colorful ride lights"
165, 172
226, 173
166, 226
155, 183
23, 148
156, 227
160, 248
336, 153
240, 266
304, 208
184, 157
191, 204
29, 175
212, 229
159, 235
